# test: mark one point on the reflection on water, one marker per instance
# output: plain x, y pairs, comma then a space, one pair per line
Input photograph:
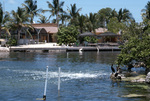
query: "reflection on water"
4, 55
84, 76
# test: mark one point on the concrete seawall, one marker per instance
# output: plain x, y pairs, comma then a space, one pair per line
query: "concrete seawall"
4, 49
52, 47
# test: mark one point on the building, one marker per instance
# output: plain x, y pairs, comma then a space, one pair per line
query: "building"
100, 31
108, 37
39, 34
45, 32
104, 36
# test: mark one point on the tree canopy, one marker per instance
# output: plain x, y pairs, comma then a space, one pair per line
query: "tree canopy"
135, 50
137, 36
67, 35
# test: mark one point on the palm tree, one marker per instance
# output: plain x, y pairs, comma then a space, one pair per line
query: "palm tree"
104, 16
124, 15
146, 16
64, 17
81, 22
74, 13
55, 7
113, 14
20, 19
92, 22
31, 8
43, 19
4, 18
146, 11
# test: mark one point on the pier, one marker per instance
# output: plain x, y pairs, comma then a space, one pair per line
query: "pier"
48, 48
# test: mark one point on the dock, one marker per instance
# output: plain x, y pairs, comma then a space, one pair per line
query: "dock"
48, 48
4, 49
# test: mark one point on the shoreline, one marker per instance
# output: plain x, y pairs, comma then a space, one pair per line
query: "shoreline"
4, 49
47, 47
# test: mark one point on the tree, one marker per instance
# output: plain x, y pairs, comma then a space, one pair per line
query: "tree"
114, 25
124, 15
146, 16
4, 18
31, 9
81, 23
104, 15
74, 13
135, 50
55, 7
67, 35
64, 17
146, 11
20, 19
90, 39
91, 23
43, 19
113, 14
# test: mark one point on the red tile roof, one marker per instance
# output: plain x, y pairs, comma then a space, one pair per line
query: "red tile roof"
49, 27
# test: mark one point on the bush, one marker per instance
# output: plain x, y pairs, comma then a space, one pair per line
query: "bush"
12, 42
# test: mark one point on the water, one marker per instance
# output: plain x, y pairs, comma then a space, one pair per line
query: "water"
84, 77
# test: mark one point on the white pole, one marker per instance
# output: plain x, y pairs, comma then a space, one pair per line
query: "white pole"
59, 78
44, 96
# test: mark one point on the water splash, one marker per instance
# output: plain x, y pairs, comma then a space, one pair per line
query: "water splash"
36, 75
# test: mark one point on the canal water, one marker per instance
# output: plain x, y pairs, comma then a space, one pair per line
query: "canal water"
84, 77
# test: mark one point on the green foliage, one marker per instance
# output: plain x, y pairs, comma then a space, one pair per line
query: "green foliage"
31, 8
104, 15
20, 18
92, 22
55, 8
90, 39
12, 42
81, 23
146, 12
114, 25
131, 29
124, 15
1, 13
67, 35
136, 49
4, 19
74, 13
43, 19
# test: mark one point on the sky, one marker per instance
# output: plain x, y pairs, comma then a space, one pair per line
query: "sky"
88, 6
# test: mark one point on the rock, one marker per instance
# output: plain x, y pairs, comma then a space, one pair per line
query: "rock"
134, 96
148, 78
140, 80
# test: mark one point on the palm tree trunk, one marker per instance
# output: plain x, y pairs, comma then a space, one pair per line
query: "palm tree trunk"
57, 20
0, 31
57, 15
18, 38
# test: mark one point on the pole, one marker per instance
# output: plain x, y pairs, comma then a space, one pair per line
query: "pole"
44, 96
59, 78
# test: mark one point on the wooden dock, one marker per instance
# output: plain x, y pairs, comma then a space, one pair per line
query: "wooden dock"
61, 48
